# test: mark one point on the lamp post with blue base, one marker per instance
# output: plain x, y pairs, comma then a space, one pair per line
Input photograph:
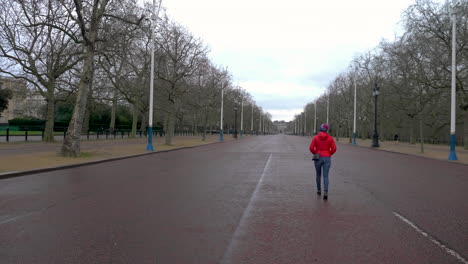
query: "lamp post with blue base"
355, 95
242, 118
375, 141
453, 138
235, 122
251, 121
149, 146
221, 121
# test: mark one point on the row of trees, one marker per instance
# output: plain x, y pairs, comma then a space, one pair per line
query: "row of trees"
414, 76
98, 52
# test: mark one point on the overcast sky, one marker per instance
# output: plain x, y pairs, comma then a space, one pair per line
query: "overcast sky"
285, 53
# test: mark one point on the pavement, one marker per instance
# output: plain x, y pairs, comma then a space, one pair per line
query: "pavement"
244, 201
22, 156
439, 152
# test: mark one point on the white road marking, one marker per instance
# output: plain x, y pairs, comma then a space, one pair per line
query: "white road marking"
246, 212
15, 218
435, 241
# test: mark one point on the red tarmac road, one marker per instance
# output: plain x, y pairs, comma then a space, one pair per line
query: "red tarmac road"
246, 201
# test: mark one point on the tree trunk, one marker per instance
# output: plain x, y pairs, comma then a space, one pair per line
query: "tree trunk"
134, 121
49, 125
180, 124
195, 124
465, 129
143, 122
71, 143
412, 137
350, 134
113, 113
421, 134
165, 118
170, 123
205, 126
87, 116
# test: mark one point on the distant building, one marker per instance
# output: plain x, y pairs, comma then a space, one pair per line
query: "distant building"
280, 125
24, 102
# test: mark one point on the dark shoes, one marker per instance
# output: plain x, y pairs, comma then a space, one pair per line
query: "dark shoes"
325, 194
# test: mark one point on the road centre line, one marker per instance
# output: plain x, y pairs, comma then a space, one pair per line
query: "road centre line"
246, 212
435, 241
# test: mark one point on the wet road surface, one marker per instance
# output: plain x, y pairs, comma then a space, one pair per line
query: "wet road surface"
248, 201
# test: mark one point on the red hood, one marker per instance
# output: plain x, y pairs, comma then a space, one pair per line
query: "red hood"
323, 136
324, 144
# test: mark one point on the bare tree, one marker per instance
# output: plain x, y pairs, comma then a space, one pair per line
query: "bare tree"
91, 17
430, 23
181, 55
126, 63
35, 50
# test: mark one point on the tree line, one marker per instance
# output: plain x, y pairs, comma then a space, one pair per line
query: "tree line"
413, 74
97, 53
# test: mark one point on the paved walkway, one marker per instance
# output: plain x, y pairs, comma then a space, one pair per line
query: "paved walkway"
36, 155
439, 152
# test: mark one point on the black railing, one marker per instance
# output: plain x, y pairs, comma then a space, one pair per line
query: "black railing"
38, 133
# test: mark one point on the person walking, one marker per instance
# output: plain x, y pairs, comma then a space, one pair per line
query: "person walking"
323, 147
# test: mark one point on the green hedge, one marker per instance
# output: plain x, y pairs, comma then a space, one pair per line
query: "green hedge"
12, 128
20, 124
26, 122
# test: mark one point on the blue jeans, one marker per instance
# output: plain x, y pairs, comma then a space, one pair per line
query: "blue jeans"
325, 163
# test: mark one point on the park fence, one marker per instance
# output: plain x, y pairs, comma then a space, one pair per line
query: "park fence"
14, 134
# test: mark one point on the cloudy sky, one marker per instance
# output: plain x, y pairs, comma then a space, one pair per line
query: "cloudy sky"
285, 53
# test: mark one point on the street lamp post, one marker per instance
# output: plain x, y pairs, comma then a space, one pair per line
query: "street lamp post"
221, 122
263, 126
453, 138
235, 122
305, 121
242, 118
295, 127
315, 118
251, 121
299, 129
328, 105
303, 124
149, 146
300, 125
375, 141
260, 124
355, 94
259, 129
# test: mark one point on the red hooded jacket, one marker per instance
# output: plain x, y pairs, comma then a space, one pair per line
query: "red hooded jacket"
323, 144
